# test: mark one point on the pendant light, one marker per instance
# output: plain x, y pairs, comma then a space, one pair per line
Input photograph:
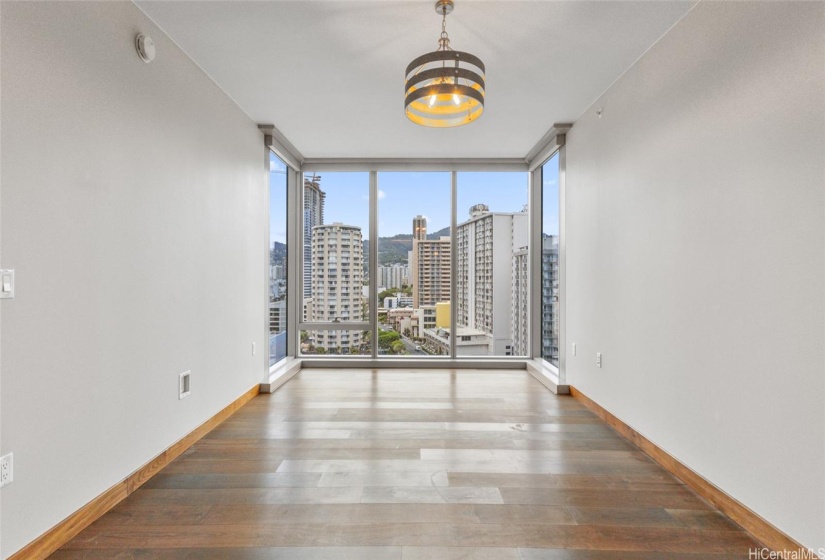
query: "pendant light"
444, 88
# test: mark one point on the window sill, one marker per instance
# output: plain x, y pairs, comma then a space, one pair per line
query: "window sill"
548, 375
281, 372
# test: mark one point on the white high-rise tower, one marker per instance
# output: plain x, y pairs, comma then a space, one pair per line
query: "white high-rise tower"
338, 275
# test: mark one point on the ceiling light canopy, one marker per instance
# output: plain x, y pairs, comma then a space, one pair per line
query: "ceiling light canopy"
444, 88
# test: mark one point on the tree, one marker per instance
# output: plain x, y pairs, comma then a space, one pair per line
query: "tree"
386, 338
387, 293
407, 332
398, 347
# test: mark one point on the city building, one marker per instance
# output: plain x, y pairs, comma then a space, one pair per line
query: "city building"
430, 271
277, 329
469, 342
307, 308
337, 263
549, 298
396, 318
520, 297
399, 300
442, 314
429, 267
313, 216
486, 243
277, 316
395, 276
277, 272
428, 317
419, 228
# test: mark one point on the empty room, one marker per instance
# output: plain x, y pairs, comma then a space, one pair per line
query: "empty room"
412, 279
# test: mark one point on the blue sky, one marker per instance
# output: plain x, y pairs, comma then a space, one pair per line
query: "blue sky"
403, 195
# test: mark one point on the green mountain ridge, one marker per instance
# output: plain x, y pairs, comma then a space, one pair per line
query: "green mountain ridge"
391, 250
395, 249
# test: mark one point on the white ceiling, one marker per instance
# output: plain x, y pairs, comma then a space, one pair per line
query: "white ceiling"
330, 74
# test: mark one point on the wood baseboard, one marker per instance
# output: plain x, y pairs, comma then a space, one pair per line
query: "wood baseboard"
758, 527
66, 530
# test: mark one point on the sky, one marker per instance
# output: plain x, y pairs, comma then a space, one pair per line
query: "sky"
404, 195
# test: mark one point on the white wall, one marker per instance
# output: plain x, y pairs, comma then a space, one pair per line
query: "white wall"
133, 210
696, 253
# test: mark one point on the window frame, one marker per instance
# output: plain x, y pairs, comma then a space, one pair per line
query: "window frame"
536, 201
531, 165
269, 155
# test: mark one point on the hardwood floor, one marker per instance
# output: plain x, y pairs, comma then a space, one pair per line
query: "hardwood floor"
394, 465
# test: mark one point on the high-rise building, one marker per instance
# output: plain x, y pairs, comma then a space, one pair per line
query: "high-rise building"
277, 316
430, 271
277, 272
519, 316
277, 330
486, 244
338, 273
419, 227
549, 298
313, 216
394, 276
429, 266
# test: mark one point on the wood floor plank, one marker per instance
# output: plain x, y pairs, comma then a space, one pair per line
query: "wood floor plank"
637, 538
340, 479
430, 495
678, 497
240, 446
458, 553
214, 496
505, 480
573, 554
402, 465
342, 513
246, 553
166, 480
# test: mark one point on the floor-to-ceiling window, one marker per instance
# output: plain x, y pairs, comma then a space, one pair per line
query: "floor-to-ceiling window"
413, 274
492, 256
550, 260
432, 291
277, 259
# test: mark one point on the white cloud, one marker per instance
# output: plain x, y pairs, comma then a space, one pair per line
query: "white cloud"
276, 166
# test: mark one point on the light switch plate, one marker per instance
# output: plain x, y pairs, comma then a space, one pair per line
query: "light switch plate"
7, 283
184, 384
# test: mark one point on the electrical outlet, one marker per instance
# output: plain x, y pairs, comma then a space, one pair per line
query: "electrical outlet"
598, 359
574, 348
6, 469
